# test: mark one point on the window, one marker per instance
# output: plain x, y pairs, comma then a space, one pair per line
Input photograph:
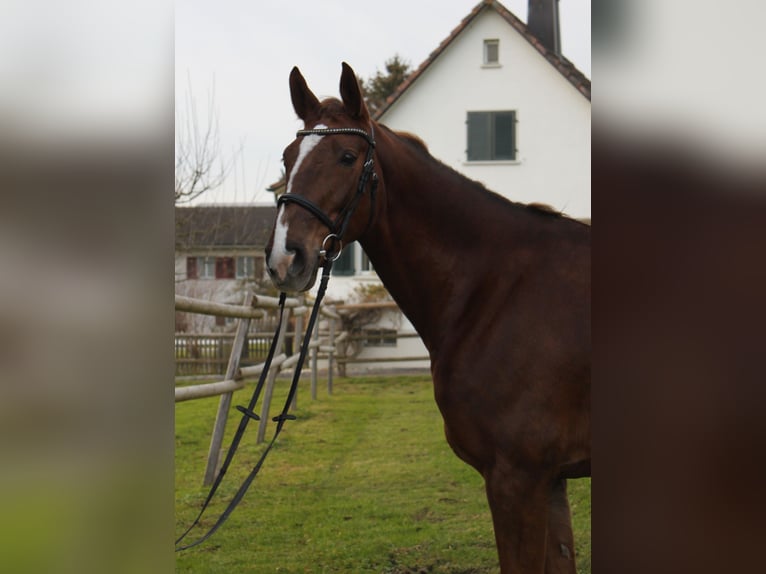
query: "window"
344, 265
245, 267
491, 52
249, 267
491, 136
191, 267
380, 338
205, 267
366, 263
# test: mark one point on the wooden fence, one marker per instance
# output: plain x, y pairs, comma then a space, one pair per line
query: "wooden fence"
237, 373
242, 351
208, 353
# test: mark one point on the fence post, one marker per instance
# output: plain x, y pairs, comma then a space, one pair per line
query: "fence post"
224, 404
297, 340
314, 362
269, 390
330, 356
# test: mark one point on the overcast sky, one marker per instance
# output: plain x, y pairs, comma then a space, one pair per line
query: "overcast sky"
240, 53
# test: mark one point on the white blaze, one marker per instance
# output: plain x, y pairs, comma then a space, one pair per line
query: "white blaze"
308, 143
281, 258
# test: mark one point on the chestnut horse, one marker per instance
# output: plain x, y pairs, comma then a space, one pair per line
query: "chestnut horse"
498, 291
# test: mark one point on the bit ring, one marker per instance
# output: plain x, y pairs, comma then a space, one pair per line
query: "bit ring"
323, 251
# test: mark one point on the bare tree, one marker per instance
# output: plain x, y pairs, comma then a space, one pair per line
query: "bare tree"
200, 166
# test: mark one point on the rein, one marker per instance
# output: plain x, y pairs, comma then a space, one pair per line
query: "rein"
248, 413
338, 227
337, 230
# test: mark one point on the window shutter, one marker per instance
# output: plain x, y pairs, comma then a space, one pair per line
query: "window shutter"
478, 136
224, 268
191, 267
504, 136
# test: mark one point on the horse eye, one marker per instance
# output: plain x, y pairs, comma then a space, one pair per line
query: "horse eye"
348, 158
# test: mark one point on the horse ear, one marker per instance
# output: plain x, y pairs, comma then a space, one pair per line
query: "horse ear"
305, 103
352, 94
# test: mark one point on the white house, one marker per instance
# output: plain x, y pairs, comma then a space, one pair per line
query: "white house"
498, 102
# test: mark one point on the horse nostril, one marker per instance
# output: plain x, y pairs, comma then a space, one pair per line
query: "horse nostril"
287, 262
298, 254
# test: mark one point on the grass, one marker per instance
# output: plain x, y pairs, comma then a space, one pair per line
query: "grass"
363, 481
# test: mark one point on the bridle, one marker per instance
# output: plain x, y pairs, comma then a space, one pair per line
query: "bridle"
337, 230
338, 227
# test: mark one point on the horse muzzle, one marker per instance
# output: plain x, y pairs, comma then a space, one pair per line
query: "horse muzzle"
292, 268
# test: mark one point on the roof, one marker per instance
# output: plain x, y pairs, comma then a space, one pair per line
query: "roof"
564, 66
224, 226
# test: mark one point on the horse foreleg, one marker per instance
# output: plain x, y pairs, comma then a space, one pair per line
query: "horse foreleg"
559, 558
518, 500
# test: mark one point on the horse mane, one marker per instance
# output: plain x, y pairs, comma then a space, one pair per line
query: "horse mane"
332, 108
413, 139
546, 210
543, 208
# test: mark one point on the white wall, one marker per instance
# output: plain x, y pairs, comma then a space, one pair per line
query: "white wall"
405, 347
553, 129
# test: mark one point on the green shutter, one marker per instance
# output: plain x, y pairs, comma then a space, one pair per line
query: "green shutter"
478, 136
504, 140
344, 265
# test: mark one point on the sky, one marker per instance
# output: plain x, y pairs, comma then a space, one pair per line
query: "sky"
235, 56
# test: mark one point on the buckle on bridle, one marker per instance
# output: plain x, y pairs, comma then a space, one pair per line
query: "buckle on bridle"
323, 251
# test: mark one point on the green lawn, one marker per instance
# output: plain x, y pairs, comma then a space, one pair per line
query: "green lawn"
363, 481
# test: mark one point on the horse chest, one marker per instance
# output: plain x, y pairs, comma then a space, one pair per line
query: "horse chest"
464, 426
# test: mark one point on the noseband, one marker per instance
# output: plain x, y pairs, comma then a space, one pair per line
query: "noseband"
338, 227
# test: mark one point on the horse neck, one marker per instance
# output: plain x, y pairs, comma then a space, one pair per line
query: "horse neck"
422, 236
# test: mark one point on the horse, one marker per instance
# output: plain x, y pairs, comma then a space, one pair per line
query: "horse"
498, 291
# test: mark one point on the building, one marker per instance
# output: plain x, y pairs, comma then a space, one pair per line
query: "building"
219, 253
498, 102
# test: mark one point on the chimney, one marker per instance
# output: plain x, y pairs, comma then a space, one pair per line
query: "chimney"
543, 22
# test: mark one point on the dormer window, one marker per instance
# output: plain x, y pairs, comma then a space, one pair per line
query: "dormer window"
491, 52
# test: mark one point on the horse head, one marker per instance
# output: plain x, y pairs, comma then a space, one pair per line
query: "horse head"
329, 170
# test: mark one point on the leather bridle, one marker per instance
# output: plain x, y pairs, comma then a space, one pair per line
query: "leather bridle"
337, 230
338, 227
